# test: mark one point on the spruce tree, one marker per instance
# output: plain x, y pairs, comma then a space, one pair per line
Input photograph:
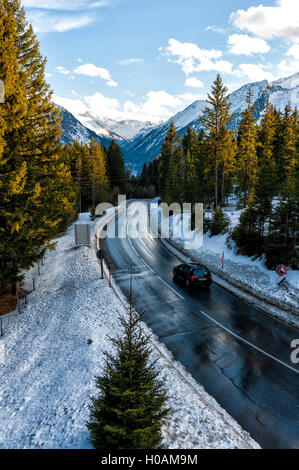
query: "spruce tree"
37, 198
129, 411
215, 121
172, 167
116, 168
266, 180
247, 153
99, 177
228, 163
219, 223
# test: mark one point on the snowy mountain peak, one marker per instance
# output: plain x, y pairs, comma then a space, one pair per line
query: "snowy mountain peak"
141, 141
110, 128
279, 92
183, 118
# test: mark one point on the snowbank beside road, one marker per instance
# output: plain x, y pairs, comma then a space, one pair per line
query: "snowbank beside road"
48, 373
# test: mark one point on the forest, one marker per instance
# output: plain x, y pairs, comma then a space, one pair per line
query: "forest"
257, 164
44, 184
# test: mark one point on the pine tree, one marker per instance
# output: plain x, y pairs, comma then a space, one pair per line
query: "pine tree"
215, 121
190, 144
129, 410
247, 154
172, 167
281, 244
219, 222
266, 181
35, 184
116, 168
228, 163
100, 183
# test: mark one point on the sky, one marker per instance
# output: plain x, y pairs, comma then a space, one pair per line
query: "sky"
147, 60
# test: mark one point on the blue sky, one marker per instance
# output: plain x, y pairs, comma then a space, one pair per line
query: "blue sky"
146, 60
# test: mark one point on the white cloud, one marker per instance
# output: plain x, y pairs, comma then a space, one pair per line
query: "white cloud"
255, 72
294, 51
155, 106
62, 70
48, 16
281, 20
91, 70
131, 61
44, 22
65, 4
75, 106
287, 68
194, 82
242, 44
112, 83
215, 29
194, 59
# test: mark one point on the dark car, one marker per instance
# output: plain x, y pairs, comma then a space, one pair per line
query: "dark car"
193, 275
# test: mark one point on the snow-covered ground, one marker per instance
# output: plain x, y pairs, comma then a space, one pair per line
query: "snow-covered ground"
243, 275
47, 376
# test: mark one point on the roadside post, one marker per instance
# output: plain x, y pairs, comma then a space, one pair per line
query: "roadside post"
101, 255
282, 275
223, 260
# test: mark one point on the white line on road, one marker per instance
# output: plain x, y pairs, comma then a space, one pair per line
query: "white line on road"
148, 266
250, 344
173, 290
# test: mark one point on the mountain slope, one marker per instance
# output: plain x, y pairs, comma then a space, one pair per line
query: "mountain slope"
72, 129
147, 146
112, 129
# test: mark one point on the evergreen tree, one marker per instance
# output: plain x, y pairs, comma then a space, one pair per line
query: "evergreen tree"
172, 167
37, 198
215, 121
129, 410
100, 183
228, 164
282, 243
193, 182
219, 222
116, 168
247, 154
266, 180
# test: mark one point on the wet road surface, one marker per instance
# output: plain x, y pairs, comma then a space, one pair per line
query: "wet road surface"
238, 353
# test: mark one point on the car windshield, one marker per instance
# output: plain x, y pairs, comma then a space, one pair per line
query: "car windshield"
200, 272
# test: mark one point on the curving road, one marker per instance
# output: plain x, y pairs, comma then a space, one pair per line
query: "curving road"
238, 353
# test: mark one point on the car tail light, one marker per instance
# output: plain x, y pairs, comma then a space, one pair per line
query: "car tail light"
211, 277
192, 277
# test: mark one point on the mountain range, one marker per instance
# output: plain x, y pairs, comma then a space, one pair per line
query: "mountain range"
141, 142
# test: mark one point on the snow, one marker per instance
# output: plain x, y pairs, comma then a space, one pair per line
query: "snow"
247, 277
121, 130
289, 82
47, 376
192, 112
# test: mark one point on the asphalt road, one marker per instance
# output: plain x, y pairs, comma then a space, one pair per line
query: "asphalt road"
238, 353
